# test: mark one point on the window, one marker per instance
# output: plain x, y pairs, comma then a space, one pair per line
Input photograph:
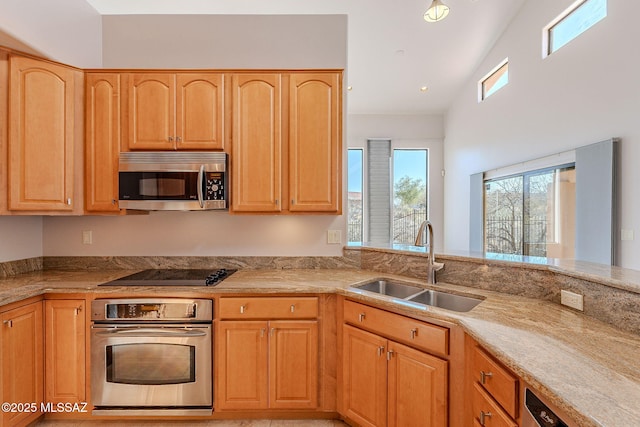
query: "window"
387, 192
574, 21
495, 80
531, 213
354, 189
409, 193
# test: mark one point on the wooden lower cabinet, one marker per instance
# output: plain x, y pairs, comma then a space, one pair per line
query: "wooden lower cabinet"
492, 389
22, 354
389, 384
65, 345
267, 365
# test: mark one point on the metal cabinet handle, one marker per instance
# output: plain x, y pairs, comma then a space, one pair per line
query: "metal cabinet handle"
293, 202
242, 309
69, 201
293, 308
389, 354
484, 415
414, 333
380, 350
113, 201
178, 139
9, 323
361, 317
272, 331
78, 310
484, 375
262, 331
170, 139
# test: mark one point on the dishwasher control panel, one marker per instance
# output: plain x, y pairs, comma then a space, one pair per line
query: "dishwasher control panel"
542, 415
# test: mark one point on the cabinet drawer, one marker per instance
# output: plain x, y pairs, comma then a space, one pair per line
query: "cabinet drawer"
268, 308
486, 412
499, 382
409, 331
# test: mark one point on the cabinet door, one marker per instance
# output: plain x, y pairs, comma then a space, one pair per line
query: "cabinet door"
256, 143
41, 135
102, 141
241, 373
65, 351
22, 361
315, 161
151, 111
417, 388
199, 107
364, 385
293, 364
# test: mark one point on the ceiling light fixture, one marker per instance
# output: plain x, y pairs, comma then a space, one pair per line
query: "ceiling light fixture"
436, 12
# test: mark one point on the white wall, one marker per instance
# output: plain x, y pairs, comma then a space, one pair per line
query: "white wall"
192, 234
586, 92
409, 131
67, 31
225, 41
20, 237
210, 41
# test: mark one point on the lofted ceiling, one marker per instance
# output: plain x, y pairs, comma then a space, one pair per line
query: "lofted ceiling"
392, 51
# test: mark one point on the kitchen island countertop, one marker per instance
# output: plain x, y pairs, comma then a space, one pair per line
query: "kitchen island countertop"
586, 367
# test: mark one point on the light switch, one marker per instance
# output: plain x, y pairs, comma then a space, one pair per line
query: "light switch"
626, 234
334, 237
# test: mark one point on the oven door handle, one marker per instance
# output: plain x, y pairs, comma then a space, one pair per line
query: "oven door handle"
150, 332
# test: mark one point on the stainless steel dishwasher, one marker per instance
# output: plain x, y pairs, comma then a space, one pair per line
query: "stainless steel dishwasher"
538, 412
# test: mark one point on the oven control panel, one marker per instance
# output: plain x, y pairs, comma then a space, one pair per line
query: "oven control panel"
152, 309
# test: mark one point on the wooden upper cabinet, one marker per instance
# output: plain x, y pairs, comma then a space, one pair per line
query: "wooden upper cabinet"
169, 111
41, 136
315, 149
151, 111
257, 145
102, 141
199, 106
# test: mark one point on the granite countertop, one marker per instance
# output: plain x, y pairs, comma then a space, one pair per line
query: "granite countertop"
587, 368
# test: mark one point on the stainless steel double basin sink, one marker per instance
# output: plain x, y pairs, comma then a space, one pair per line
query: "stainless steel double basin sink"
415, 295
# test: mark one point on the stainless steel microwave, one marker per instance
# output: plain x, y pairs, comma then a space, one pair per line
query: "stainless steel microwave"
182, 181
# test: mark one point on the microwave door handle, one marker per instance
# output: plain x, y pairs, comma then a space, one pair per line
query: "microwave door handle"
151, 332
200, 185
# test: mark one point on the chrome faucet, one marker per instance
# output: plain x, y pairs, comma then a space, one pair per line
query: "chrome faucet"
431, 274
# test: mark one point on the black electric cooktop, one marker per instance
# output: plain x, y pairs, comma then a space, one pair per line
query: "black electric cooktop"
173, 277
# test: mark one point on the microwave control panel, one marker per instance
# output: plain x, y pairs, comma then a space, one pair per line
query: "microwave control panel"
214, 186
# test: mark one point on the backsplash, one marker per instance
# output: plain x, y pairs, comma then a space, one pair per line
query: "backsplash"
11, 268
239, 262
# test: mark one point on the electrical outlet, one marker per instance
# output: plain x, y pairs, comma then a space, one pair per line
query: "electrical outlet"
571, 299
626, 234
87, 237
334, 237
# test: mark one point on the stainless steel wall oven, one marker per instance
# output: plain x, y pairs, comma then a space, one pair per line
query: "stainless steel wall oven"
151, 356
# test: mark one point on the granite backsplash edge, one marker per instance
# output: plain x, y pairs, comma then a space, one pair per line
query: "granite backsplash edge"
612, 305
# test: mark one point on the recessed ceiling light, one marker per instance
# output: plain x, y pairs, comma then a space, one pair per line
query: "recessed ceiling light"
399, 52
424, 89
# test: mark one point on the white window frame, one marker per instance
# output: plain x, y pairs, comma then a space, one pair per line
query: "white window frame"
401, 144
481, 93
546, 31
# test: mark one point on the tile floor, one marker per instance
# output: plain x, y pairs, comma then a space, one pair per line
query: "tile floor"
216, 423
